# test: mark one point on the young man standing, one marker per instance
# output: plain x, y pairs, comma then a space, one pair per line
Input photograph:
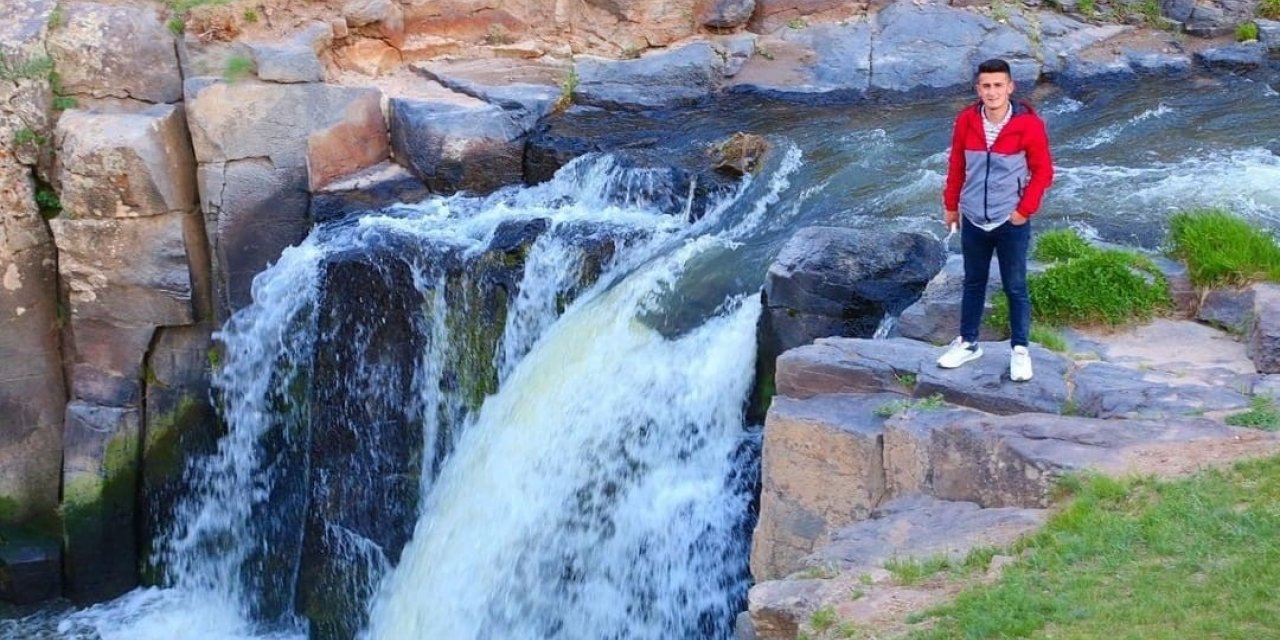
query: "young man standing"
998, 172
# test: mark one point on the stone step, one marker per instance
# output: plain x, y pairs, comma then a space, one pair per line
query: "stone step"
900, 365
914, 527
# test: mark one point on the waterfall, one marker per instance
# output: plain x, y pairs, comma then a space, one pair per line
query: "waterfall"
601, 490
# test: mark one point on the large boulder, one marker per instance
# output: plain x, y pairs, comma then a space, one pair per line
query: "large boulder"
931, 47
99, 492
822, 62
254, 143
377, 187
832, 281
125, 165
455, 148
679, 77
822, 468
116, 51
725, 14
935, 317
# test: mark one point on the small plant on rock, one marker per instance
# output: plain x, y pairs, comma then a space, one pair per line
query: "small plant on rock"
797, 23
823, 619
1246, 31
567, 87
238, 66
1262, 414
250, 15
1268, 9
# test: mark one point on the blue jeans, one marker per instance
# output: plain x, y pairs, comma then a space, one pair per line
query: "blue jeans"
1009, 242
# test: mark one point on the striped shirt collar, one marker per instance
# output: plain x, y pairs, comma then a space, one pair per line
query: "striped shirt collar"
990, 129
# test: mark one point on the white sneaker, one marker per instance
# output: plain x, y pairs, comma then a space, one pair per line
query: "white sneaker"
958, 353
1020, 364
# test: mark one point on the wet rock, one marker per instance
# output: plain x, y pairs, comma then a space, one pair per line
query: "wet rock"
1065, 39
840, 365
726, 14
375, 188
1240, 57
125, 165
99, 488
935, 317
180, 424
743, 627
1264, 338
455, 148
253, 142
822, 469
30, 566
1230, 309
32, 391
680, 77
935, 47
739, 154
118, 51
924, 527
363, 493
1104, 390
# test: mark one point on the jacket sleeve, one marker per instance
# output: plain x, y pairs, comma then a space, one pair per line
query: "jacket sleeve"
1040, 164
955, 167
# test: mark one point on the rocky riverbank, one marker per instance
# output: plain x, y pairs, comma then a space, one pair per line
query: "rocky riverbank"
873, 455
153, 161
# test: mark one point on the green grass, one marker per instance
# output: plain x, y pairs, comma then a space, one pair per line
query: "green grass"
35, 68
1246, 31
894, 407
823, 619
1088, 286
1140, 558
1087, 7
1048, 338
1060, 245
1223, 249
238, 66
1262, 414
1269, 9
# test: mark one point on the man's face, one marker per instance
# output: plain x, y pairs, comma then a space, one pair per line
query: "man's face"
994, 89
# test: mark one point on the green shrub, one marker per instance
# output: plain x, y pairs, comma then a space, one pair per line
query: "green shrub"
62, 103
1110, 287
1246, 31
1222, 249
1060, 245
1269, 9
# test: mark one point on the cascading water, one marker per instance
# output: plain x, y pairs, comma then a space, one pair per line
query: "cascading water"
602, 492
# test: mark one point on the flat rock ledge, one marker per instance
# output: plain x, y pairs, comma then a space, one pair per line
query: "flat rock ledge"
873, 455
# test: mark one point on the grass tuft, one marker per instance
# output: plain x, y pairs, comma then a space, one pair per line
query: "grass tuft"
1246, 31
1223, 249
1269, 9
893, 408
1048, 338
1262, 414
823, 619
1060, 245
238, 67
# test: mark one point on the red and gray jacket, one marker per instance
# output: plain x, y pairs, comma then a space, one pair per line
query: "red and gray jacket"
988, 185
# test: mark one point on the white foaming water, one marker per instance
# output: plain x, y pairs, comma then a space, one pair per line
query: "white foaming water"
1241, 180
1109, 133
215, 536
1066, 105
599, 473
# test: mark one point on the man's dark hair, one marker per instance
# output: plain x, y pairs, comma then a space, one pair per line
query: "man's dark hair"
994, 65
